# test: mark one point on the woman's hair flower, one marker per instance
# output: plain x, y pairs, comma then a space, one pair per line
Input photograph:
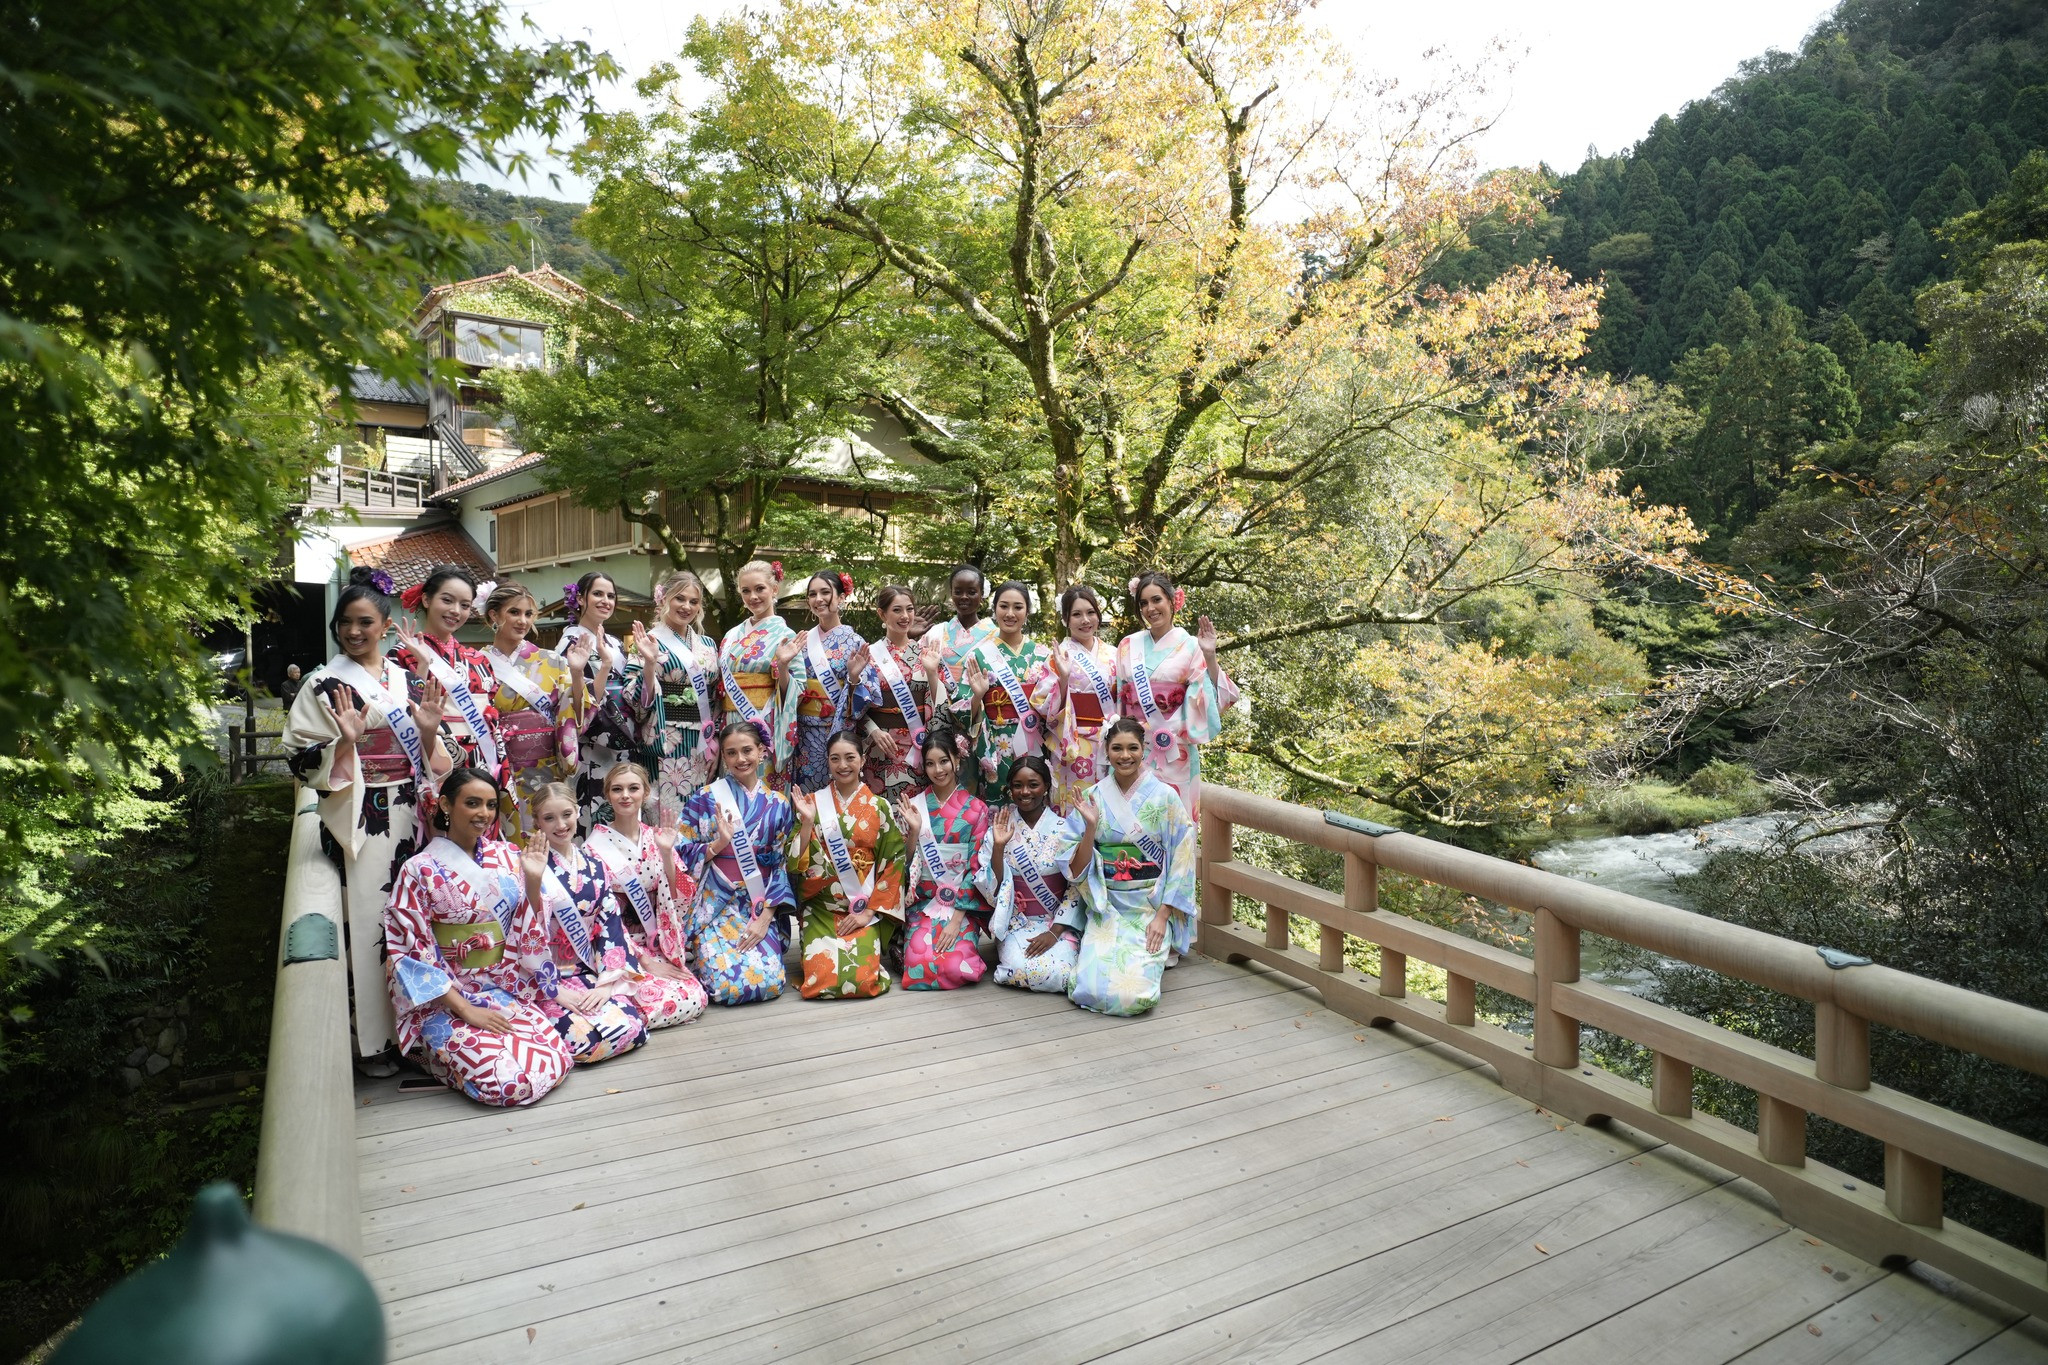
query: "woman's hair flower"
775, 567
1180, 598
381, 581
571, 601
411, 598
845, 584
483, 595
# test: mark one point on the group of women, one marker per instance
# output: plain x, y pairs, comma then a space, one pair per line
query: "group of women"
549, 853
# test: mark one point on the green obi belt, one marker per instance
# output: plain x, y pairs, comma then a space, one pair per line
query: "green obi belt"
482, 944
1126, 863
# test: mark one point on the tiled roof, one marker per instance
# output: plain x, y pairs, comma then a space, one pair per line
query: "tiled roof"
371, 387
411, 555
545, 278
524, 462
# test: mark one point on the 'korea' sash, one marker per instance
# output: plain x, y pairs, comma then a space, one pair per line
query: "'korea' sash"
742, 844
621, 859
1141, 683
1098, 681
396, 710
1024, 866
1025, 739
936, 866
700, 682
499, 894
858, 890
1119, 809
906, 702
513, 678
820, 660
556, 900
455, 682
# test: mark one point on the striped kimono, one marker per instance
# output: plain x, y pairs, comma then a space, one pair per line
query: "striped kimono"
615, 726
684, 756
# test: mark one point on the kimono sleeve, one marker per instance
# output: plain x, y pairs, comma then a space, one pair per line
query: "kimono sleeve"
1201, 710
528, 943
418, 979
1060, 852
699, 820
1043, 690
1178, 890
309, 739
891, 854
555, 685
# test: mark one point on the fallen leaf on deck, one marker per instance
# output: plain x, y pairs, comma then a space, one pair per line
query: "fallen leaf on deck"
1635, 1163
531, 1333
577, 1207
1540, 1247
1441, 1118
536, 1163
1559, 1126
1212, 1087
407, 1189
1520, 1162
1875, 1318
1297, 1023
1359, 1036
1827, 1270
507, 1130
1813, 1241
1811, 1328
612, 1091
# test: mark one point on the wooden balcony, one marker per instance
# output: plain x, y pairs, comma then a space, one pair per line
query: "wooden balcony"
367, 490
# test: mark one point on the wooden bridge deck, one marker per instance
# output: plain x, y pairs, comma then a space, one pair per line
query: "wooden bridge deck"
988, 1174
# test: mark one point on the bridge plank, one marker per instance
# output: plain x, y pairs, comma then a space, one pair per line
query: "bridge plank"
2023, 1343
1902, 1319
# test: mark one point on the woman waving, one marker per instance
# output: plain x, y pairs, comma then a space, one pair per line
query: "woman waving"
896, 697
1141, 888
945, 827
1006, 725
1029, 870
828, 660
852, 884
753, 659
1075, 690
738, 834
1169, 681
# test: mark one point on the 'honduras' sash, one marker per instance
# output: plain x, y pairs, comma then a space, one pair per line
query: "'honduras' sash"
1119, 806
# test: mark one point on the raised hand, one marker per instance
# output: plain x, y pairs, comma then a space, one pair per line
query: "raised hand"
727, 827
645, 647
1091, 818
857, 664
978, 678
533, 858
928, 656
1205, 635
1058, 662
667, 836
578, 652
788, 649
433, 704
351, 722
414, 644
910, 810
1005, 826
806, 806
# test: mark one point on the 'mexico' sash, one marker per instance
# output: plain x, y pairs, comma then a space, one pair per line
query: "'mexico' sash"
936, 866
684, 651
742, 844
497, 895
820, 660
395, 709
1118, 806
1024, 740
1141, 682
906, 702
621, 859
455, 682
1098, 681
858, 890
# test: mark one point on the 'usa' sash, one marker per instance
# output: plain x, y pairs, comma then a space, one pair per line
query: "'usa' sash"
700, 683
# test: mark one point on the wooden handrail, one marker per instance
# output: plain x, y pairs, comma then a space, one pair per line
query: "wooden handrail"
1921, 1140
305, 1159
350, 485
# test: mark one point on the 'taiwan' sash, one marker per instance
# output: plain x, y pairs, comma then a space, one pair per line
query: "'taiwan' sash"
906, 702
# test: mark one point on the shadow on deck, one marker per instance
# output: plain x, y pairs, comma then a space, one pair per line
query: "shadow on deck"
989, 1174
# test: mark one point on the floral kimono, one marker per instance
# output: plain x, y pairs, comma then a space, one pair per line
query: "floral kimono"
539, 724
808, 697
1075, 719
1006, 730
587, 940
615, 727
725, 903
627, 862
684, 747
882, 714
456, 662
956, 642
1181, 707
369, 824
1021, 914
746, 662
1144, 857
873, 846
465, 923
957, 828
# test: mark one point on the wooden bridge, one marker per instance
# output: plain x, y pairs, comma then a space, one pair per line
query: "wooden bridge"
1252, 1172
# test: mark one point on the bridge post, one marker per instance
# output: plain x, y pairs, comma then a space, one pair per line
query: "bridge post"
1557, 963
1216, 848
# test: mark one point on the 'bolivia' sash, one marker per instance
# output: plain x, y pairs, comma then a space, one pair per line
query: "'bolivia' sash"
742, 845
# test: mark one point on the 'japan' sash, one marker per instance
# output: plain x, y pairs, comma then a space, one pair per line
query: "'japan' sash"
396, 711
621, 859
455, 682
906, 702
742, 844
1024, 866
820, 660
700, 683
556, 900
1098, 681
1141, 683
470, 879
1025, 739
858, 890
936, 865
513, 678
1119, 809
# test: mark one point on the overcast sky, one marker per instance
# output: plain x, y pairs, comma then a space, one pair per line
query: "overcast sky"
1589, 72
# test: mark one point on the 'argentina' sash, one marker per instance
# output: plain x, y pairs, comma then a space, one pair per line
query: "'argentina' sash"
1119, 809
1025, 739
1141, 683
455, 682
820, 660
501, 899
906, 701
858, 890
700, 683
396, 711
513, 679
556, 900
742, 844
621, 859
1098, 681
942, 873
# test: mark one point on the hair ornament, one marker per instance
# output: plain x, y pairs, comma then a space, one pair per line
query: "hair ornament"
845, 581
411, 598
1180, 598
775, 567
572, 601
381, 581
1133, 586
483, 595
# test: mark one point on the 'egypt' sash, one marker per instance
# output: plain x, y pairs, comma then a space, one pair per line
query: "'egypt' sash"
396, 710
496, 895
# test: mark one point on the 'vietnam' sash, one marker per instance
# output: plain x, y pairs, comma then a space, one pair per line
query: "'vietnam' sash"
936, 865
1098, 681
396, 710
906, 702
513, 678
1024, 740
742, 844
700, 683
858, 890
820, 660
621, 859
471, 880
455, 682
1118, 806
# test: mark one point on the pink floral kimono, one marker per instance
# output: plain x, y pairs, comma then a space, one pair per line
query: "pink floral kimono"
1166, 683
638, 889
956, 829
1075, 718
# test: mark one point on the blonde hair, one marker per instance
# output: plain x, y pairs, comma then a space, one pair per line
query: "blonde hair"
505, 594
771, 572
677, 578
553, 791
625, 765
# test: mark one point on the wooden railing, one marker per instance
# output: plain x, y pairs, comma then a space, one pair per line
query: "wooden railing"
347, 485
306, 1159
1920, 1139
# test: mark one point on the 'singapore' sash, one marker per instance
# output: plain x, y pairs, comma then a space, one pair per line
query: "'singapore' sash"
555, 899
820, 660
621, 859
396, 709
722, 791
859, 891
1024, 740
1098, 681
455, 682
513, 678
937, 866
1118, 807
1156, 729
497, 895
906, 702
684, 651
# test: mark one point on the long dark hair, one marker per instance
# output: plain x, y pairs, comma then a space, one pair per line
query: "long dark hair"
1080, 592
583, 587
364, 585
440, 574
945, 739
1012, 585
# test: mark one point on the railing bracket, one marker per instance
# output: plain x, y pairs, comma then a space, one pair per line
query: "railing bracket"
1838, 959
1356, 825
312, 937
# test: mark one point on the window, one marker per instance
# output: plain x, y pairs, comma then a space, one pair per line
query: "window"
500, 345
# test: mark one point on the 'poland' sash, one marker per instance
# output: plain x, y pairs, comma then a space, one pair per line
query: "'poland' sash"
820, 660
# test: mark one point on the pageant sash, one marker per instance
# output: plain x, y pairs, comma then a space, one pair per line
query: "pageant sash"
859, 891
742, 844
498, 895
1025, 738
513, 679
741, 702
621, 859
455, 682
396, 710
1098, 681
937, 865
700, 683
556, 900
1118, 807
1161, 737
613, 653
820, 660
906, 702
1025, 866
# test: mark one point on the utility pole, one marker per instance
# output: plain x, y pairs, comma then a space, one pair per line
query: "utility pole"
532, 241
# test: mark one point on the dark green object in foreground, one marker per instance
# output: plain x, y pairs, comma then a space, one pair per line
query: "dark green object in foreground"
231, 1293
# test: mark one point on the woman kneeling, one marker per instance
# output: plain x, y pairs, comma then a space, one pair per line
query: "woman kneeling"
852, 881
1141, 889
647, 880
946, 827
737, 838
1030, 874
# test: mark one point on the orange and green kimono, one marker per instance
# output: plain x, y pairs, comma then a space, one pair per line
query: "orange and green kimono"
836, 967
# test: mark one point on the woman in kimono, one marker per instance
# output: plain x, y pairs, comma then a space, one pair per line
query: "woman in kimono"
1170, 681
1141, 886
469, 954
684, 745
536, 700
954, 640
654, 893
738, 834
372, 754
821, 664
752, 661
1076, 693
445, 602
945, 827
1030, 870
618, 693
896, 697
592, 1006
852, 882
1004, 722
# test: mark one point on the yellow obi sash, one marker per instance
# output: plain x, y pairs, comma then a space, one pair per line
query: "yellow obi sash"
476, 956
813, 701
760, 690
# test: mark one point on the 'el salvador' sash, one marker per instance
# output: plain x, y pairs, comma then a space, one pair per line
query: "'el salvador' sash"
943, 873
1119, 808
1025, 739
685, 652
621, 860
742, 844
858, 890
499, 895
820, 660
395, 709
556, 900
455, 682
1098, 681
1141, 683
513, 678
906, 701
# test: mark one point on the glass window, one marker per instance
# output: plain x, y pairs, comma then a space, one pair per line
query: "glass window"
499, 345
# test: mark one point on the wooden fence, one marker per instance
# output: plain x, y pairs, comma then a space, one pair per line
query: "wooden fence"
1920, 1139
